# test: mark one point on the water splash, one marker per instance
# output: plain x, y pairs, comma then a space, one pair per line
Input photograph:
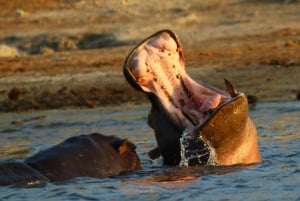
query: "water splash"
184, 161
193, 149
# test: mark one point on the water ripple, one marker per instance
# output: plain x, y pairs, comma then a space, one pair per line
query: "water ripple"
276, 178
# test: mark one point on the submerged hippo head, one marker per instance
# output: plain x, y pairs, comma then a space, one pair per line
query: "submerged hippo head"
194, 122
93, 155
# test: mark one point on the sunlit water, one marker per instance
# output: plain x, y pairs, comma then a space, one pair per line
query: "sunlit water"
277, 178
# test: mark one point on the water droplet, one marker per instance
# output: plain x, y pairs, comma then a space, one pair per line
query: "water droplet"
193, 149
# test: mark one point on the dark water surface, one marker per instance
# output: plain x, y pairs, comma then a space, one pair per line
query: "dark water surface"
277, 178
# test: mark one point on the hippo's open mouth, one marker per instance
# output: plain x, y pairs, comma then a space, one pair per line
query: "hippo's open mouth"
156, 67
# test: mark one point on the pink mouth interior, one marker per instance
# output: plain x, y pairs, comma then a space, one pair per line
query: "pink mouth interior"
158, 67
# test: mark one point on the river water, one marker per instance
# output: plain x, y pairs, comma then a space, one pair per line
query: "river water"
276, 178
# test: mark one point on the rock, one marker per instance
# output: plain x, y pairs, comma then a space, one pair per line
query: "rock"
8, 51
14, 94
21, 13
298, 95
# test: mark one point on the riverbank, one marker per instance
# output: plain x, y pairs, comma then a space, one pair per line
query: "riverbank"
62, 54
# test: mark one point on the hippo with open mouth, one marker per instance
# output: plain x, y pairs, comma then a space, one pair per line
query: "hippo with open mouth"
194, 123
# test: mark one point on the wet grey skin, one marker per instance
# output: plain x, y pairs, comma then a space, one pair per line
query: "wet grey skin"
93, 155
182, 110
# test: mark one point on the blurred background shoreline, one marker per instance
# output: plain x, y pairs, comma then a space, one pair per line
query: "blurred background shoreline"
69, 53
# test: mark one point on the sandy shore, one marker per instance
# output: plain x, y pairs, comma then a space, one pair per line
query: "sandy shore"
57, 54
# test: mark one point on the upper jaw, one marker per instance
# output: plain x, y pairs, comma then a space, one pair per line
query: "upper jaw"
127, 67
156, 67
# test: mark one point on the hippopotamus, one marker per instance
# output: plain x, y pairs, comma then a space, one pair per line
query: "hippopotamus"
194, 122
93, 155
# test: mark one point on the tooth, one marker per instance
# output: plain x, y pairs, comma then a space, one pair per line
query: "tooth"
232, 91
191, 117
196, 114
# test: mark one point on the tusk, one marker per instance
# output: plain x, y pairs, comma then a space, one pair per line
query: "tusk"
192, 117
232, 91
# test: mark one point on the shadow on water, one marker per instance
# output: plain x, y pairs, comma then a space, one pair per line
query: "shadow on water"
276, 178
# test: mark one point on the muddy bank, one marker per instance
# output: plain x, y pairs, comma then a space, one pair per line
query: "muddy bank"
80, 90
70, 53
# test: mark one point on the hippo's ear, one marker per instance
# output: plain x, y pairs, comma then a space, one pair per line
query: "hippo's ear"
123, 145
